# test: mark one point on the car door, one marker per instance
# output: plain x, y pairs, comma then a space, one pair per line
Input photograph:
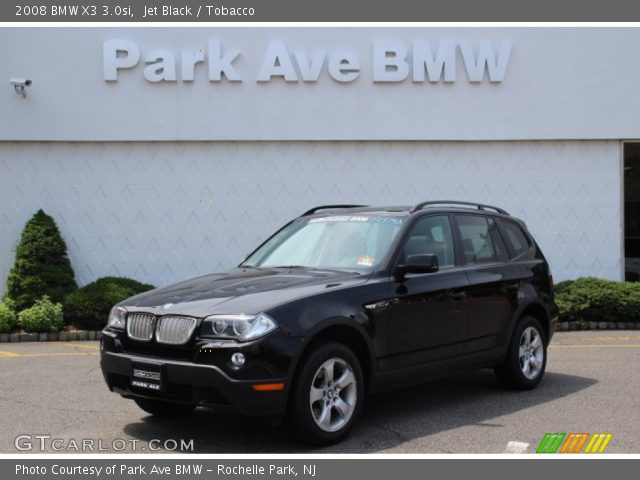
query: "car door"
493, 281
428, 312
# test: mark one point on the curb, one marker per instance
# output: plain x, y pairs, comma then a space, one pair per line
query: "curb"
73, 336
572, 326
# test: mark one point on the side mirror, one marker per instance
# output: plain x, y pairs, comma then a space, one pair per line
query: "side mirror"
426, 263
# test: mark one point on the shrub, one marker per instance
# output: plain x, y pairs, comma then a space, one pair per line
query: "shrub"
591, 299
42, 266
10, 304
88, 307
7, 318
43, 316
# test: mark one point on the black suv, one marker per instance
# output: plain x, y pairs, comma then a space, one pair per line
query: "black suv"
343, 301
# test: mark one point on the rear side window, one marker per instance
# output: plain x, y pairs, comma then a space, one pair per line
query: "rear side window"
477, 241
517, 241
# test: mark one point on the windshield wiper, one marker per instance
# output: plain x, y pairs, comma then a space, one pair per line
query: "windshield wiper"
292, 266
315, 269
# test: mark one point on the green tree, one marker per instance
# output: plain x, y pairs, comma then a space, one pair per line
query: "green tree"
42, 266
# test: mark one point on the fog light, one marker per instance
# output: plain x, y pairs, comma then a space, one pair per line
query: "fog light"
238, 359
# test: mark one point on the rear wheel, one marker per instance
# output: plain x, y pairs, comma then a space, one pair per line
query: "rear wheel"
526, 359
327, 395
160, 408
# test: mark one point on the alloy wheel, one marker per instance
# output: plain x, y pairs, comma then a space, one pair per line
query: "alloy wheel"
531, 353
333, 395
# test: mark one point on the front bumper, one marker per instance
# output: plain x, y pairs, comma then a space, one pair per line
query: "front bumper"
202, 377
189, 383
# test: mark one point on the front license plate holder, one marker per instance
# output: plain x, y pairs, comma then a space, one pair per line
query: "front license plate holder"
147, 376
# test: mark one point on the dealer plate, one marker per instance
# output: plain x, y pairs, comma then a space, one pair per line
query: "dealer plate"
146, 375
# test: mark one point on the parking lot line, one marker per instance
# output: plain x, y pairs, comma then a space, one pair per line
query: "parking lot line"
625, 339
56, 354
8, 354
80, 345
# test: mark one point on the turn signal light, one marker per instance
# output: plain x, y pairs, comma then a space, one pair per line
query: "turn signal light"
268, 387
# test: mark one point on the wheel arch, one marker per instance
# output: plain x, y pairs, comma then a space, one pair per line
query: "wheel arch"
539, 312
343, 331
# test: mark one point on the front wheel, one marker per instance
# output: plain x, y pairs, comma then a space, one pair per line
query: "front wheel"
327, 395
160, 408
526, 358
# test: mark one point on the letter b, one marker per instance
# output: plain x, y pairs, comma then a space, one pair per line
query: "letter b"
389, 61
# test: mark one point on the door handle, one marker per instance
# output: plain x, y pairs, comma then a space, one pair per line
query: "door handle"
457, 294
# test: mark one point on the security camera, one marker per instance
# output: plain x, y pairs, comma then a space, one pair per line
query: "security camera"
19, 84
20, 81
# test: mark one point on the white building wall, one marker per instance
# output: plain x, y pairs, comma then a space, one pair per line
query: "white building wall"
559, 83
161, 212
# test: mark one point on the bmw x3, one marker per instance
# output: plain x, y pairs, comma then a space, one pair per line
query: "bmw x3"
342, 302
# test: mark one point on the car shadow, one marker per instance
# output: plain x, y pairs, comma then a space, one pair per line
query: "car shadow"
388, 419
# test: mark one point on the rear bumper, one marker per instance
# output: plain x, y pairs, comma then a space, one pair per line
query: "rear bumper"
194, 384
553, 326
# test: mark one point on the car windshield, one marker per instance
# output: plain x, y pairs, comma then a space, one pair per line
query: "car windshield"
350, 242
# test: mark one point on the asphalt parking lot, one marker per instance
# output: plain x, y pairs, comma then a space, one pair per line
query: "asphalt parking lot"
591, 385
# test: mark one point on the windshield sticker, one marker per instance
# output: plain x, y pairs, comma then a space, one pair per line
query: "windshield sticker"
366, 261
387, 220
340, 218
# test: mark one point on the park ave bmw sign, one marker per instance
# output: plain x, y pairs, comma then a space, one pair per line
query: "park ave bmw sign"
392, 61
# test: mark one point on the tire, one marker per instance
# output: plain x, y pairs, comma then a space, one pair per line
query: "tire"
331, 414
524, 368
160, 408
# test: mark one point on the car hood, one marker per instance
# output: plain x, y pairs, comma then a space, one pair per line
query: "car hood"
248, 291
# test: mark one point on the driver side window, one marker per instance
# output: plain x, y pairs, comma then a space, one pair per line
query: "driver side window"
431, 235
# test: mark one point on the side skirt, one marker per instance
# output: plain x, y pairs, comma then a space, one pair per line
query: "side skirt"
396, 378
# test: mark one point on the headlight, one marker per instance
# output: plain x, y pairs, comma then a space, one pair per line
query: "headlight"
238, 327
117, 318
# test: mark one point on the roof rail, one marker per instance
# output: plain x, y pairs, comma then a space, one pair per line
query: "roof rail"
328, 207
479, 206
